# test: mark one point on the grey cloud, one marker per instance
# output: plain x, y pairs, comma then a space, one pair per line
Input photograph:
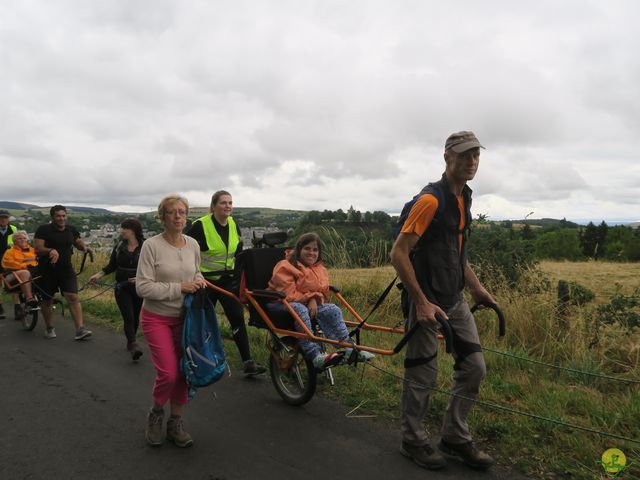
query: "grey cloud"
191, 95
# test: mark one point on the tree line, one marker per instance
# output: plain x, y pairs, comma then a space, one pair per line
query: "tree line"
352, 216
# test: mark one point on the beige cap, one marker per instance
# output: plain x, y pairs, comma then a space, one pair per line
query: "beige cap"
462, 141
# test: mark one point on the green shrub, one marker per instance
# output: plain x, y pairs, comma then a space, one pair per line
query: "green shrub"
622, 309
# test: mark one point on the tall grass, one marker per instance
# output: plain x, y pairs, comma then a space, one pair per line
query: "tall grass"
365, 250
535, 330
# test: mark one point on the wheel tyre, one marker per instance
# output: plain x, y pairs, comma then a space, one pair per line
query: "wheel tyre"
297, 384
29, 319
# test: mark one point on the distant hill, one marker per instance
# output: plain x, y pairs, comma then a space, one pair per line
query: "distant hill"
90, 210
258, 217
548, 222
16, 205
28, 206
246, 216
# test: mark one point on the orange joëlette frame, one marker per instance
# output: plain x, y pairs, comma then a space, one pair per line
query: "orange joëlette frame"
306, 333
10, 287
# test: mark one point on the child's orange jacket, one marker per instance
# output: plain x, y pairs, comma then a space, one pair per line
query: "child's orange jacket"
300, 283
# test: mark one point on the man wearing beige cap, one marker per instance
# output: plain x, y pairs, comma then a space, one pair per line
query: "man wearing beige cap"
430, 256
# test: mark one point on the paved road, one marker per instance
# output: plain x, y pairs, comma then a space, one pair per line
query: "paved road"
76, 410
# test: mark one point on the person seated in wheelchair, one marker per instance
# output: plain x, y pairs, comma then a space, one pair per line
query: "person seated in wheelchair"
304, 280
16, 263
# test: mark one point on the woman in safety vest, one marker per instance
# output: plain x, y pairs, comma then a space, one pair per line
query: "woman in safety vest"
220, 241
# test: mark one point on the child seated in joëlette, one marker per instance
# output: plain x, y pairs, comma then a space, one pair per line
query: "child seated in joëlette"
304, 280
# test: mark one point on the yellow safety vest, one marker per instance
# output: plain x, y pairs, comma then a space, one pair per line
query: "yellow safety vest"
13, 230
219, 257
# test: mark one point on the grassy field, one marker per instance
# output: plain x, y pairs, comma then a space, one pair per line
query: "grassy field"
604, 278
535, 330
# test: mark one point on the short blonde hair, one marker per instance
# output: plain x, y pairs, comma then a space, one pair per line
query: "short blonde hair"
168, 200
19, 233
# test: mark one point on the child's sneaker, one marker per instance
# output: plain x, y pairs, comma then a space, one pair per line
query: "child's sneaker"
323, 361
363, 355
50, 332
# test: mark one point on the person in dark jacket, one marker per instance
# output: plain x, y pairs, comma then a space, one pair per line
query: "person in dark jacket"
124, 262
430, 257
220, 241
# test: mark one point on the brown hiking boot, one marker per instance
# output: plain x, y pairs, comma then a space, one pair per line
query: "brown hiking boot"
176, 433
468, 453
424, 456
153, 430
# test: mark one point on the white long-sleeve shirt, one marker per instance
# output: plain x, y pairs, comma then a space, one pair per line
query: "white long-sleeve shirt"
161, 270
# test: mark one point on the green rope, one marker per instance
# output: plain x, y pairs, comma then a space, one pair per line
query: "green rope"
559, 367
511, 410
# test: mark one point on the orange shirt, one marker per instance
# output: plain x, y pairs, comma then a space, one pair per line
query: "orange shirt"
301, 284
16, 258
422, 213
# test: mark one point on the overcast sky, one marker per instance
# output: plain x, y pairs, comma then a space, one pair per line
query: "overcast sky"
313, 105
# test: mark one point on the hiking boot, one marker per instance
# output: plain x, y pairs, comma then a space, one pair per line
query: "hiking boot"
2, 312
153, 429
50, 332
176, 433
82, 333
323, 361
252, 368
135, 351
468, 453
425, 456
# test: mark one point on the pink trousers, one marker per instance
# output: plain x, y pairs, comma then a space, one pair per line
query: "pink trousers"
164, 337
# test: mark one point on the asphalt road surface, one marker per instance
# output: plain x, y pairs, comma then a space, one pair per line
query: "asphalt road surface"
76, 410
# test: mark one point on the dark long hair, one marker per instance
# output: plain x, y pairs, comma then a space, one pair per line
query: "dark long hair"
135, 225
305, 239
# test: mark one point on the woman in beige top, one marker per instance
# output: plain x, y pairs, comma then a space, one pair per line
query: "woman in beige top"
168, 268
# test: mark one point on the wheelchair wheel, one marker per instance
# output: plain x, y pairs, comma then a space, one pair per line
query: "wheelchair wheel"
292, 375
29, 318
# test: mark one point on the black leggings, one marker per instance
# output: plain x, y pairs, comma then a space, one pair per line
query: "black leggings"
130, 305
235, 314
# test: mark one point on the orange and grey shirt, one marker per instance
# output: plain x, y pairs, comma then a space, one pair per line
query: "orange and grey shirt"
422, 213
441, 219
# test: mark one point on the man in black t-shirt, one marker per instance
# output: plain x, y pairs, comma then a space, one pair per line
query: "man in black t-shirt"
54, 244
